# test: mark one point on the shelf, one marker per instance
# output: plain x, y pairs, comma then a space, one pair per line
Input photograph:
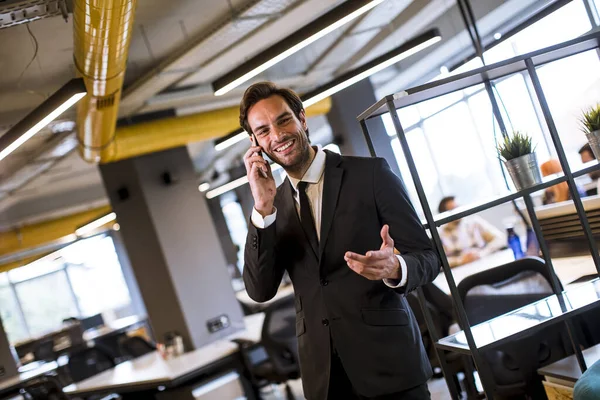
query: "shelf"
526, 320
482, 75
461, 212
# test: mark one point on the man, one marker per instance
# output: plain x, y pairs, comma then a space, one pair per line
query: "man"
333, 225
587, 155
468, 239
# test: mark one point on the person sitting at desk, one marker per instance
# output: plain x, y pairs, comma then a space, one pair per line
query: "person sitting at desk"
559, 192
468, 239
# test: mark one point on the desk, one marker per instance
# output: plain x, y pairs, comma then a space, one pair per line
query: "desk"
283, 292
567, 369
567, 269
12, 384
151, 370
113, 328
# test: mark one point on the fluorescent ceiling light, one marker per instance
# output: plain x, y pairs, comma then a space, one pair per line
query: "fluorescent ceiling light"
204, 187
45, 113
394, 56
406, 50
295, 42
96, 224
230, 141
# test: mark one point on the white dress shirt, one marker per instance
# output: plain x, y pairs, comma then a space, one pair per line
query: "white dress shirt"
314, 191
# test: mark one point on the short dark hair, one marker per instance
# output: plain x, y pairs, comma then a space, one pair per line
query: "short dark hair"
263, 90
588, 148
444, 203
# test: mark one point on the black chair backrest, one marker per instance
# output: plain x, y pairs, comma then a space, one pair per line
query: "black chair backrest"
44, 350
493, 292
279, 336
135, 346
43, 388
89, 362
92, 322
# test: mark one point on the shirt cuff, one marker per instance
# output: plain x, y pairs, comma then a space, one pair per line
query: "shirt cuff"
395, 283
260, 222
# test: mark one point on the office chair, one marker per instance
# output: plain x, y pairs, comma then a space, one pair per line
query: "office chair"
135, 346
43, 388
44, 350
88, 362
275, 360
456, 362
499, 290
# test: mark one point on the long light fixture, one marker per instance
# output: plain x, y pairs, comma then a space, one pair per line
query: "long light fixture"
45, 113
293, 43
234, 184
380, 63
394, 56
90, 227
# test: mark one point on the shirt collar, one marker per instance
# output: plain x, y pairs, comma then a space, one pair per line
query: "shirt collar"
314, 173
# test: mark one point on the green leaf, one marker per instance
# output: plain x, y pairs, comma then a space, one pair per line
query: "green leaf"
590, 120
517, 145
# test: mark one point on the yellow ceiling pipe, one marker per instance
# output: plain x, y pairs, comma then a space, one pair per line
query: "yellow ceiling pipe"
149, 137
22, 262
101, 37
34, 235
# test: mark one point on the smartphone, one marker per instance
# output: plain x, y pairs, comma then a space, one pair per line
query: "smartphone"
260, 153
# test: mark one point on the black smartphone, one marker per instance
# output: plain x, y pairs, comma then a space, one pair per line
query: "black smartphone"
260, 153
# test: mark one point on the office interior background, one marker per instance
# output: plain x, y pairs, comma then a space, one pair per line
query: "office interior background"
174, 55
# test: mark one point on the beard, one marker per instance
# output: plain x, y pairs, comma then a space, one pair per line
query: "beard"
300, 154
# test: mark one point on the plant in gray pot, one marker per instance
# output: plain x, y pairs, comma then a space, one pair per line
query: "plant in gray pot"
519, 158
590, 125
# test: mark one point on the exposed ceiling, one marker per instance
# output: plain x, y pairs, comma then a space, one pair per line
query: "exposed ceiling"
177, 49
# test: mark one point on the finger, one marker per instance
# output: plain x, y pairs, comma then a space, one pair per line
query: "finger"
251, 151
385, 237
364, 270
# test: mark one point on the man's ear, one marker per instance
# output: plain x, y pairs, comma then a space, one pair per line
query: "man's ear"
302, 118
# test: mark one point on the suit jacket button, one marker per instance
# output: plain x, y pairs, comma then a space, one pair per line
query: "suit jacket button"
324, 282
325, 322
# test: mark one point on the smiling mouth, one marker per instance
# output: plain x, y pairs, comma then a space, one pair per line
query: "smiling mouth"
286, 146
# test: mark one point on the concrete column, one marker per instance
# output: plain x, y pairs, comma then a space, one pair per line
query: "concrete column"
137, 302
216, 212
8, 367
346, 106
173, 246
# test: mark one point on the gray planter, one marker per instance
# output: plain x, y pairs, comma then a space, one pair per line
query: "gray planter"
594, 141
524, 171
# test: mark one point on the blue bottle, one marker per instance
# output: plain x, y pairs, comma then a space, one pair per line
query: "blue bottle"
514, 243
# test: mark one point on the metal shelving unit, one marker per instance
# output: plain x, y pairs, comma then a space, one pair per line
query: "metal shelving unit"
560, 307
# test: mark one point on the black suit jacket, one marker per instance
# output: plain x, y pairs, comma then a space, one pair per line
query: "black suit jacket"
371, 325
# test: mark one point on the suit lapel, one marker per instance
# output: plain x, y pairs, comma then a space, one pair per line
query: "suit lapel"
291, 214
331, 191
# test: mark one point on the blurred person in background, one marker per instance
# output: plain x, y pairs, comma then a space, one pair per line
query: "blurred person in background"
470, 238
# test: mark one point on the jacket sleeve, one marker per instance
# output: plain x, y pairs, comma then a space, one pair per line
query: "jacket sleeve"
395, 209
262, 274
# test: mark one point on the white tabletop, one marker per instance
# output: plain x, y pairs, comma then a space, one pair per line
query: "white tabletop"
152, 369
283, 291
567, 268
114, 326
28, 375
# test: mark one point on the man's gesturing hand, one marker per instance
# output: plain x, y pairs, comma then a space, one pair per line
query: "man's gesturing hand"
378, 264
261, 181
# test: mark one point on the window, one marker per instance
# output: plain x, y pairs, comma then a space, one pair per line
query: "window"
453, 137
80, 280
236, 224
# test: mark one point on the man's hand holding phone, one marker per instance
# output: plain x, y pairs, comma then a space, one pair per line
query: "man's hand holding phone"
261, 179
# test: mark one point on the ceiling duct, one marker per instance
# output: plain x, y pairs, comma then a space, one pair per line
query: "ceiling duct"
16, 12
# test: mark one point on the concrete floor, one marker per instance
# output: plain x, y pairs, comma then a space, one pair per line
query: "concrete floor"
437, 387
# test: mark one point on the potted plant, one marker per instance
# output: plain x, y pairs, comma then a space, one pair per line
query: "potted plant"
590, 125
519, 158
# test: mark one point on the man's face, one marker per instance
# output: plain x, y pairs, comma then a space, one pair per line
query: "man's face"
586, 156
279, 132
451, 205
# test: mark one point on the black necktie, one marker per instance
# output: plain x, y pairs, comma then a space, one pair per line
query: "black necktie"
306, 218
